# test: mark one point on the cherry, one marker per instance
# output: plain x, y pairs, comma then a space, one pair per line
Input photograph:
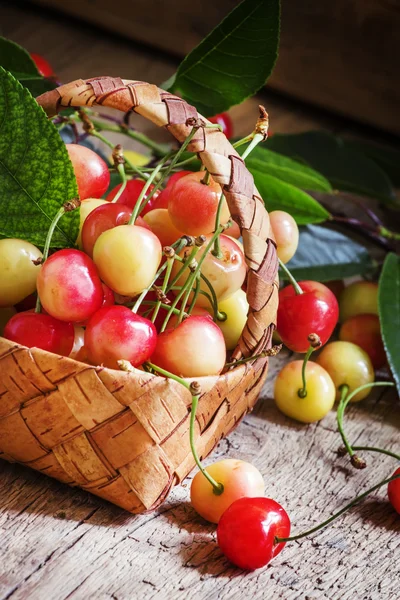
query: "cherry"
225, 121
394, 492
314, 311
86, 207
161, 225
193, 205
165, 195
114, 333
226, 274
347, 364
42, 65
69, 287
286, 234
360, 297
176, 177
236, 308
132, 192
127, 258
91, 172
320, 395
247, 530
239, 478
101, 219
195, 348
18, 271
36, 330
365, 331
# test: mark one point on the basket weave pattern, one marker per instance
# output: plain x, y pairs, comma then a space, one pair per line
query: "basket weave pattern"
125, 436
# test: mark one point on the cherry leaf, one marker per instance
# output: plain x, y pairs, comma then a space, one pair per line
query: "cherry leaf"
36, 175
389, 312
17, 61
325, 254
345, 168
234, 61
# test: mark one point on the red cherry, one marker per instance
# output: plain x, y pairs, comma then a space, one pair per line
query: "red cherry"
314, 311
114, 333
43, 66
69, 286
225, 121
165, 195
91, 172
36, 330
394, 492
176, 177
132, 192
193, 205
247, 530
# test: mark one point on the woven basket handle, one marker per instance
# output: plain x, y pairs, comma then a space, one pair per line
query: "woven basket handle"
225, 166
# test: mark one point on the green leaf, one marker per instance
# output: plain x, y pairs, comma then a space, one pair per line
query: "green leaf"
288, 170
17, 61
387, 158
324, 254
234, 61
345, 168
279, 195
36, 175
389, 312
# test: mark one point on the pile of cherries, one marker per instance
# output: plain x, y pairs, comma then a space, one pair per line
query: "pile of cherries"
157, 283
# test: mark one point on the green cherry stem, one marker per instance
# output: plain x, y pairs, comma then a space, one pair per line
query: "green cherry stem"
379, 450
143, 199
124, 180
344, 401
217, 244
355, 501
315, 343
66, 207
292, 280
302, 392
194, 389
170, 263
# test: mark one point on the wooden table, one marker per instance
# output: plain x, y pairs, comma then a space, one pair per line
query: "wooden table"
58, 543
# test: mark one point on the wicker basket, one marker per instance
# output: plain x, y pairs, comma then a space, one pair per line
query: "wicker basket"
125, 436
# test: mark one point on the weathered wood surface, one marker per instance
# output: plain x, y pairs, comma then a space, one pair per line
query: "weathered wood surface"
61, 543
57, 543
341, 55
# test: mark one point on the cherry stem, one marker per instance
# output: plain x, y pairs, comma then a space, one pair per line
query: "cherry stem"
271, 352
141, 297
217, 245
256, 138
292, 280
355, 501
121, 171
154, 303
380, 450
194, 299
243, 141
206, 178
170, 263
192, 276
218, 488
142, 198
302, 392
344, 401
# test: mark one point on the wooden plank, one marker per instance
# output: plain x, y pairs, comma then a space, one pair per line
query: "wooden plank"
62, 543
339, 55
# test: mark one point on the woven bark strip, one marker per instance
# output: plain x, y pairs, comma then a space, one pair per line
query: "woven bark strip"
125, 436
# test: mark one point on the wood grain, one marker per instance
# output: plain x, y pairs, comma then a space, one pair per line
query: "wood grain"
61, 543
340, 55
